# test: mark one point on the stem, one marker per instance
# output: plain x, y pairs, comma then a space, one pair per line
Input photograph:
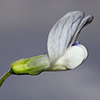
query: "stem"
6, 75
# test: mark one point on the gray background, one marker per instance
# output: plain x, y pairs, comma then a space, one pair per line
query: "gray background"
24, 28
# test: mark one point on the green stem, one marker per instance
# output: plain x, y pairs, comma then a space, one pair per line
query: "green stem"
6, 75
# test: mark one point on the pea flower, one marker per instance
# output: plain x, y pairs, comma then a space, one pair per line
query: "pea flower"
64, 52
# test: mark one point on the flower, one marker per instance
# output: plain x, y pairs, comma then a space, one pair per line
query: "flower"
64, 52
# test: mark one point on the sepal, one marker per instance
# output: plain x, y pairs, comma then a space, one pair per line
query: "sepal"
30, 66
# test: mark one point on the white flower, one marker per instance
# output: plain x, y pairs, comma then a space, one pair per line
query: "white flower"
64, 51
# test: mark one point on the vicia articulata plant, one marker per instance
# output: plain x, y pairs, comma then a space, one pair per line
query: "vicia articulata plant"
64, 52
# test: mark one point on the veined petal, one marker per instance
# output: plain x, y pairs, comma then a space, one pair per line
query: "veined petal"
62, 33
85, 21
73, 57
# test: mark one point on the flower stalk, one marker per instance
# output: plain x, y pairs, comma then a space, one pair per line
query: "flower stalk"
6, 75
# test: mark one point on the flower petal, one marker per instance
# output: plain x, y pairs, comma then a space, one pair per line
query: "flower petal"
73, 57
85, 21
62, 33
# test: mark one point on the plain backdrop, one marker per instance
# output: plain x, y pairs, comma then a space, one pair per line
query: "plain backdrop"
24, 28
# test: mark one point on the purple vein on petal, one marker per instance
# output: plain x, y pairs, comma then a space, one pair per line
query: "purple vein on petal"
70, 28
56, 26
62, 31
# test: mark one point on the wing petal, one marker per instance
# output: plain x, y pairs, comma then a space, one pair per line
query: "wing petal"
73, 57
61, 34
85, 21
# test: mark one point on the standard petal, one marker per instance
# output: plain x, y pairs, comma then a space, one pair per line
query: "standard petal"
62, 33
73, 57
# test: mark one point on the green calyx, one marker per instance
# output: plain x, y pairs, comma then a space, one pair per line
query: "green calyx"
30, 66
